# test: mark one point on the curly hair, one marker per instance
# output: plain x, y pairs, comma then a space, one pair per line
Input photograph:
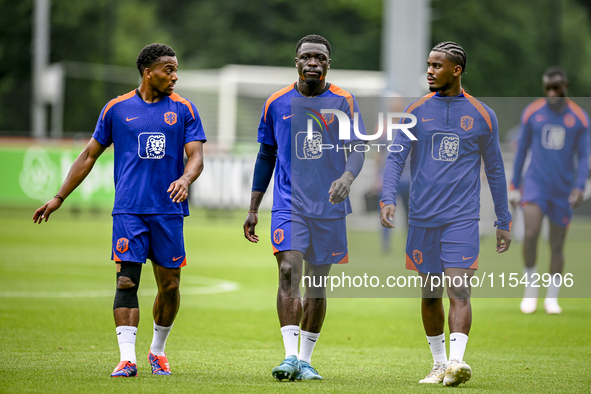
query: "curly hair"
314, 39
555, 70
150, 55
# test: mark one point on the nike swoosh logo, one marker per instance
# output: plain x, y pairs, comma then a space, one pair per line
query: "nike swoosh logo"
336, 254
296, 334
426, 120
467, 258
453, 340
175, 259
128, 119
287, 117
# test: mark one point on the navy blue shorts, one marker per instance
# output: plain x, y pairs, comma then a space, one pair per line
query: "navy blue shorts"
432, 250
155, 237
322, 241
558, 209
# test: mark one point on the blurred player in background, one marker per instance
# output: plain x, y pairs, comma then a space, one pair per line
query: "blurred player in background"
151, 128
555, 130
310, 200
454, 131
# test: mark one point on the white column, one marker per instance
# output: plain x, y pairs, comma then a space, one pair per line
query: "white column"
406, 42
228, 97
40, 56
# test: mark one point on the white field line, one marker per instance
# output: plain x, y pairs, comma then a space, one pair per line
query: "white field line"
190, 285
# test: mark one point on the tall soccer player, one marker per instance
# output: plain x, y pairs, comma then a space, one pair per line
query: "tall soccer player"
150, 128
310, 198
454, 132
555, 130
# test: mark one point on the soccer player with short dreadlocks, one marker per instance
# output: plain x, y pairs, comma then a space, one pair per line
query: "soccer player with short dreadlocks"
151, 128
310, 197
453, 131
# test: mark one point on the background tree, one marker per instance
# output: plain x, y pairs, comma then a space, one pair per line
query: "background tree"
509, 42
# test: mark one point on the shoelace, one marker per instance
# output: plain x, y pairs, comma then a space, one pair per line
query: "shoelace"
289, 362
156, 361
127, 368
454, 361
436, 367
308, 366
313, 369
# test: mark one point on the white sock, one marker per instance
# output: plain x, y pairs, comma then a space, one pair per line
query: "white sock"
457, 345
291, 335
552, 293
530, 292
307, 345
437, 345
126, 338
159, 339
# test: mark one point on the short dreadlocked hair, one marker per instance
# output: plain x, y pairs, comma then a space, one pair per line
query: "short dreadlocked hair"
150, 55
555, 70
314, 39
453, 52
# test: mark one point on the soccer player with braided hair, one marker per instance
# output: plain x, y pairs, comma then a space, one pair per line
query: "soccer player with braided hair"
454, 132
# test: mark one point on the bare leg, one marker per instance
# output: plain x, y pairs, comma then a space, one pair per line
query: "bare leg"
289, 311
460, 322
557, 237
315, 298
533, 216
166, 304
460, 309
289, 302
432, 310
126, 316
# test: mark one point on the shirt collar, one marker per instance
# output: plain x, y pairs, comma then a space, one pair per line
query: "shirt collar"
460, 95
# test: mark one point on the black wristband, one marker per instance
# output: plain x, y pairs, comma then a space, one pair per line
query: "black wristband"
58, 196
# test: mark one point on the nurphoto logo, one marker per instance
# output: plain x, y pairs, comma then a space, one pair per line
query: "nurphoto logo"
345, 129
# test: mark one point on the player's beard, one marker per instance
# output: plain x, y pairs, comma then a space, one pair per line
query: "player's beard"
437, 89
313, 82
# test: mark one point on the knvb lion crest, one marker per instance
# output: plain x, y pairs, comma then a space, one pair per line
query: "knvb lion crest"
328, 118
466, 122
278, 236
122, 245
170, 118
569, 120
417, 256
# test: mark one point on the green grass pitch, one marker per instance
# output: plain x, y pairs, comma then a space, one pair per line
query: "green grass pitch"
57, 332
